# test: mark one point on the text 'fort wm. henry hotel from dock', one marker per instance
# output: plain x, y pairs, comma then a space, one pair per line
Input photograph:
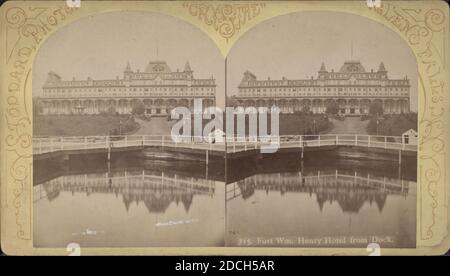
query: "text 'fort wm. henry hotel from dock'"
160, 89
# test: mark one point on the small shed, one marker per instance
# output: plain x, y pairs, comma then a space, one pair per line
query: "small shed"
410, 137
216, 136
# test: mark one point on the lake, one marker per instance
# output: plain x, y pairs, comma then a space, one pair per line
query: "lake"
274, 201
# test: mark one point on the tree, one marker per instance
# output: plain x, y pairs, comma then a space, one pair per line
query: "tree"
332, 108
305, 109
376, 108
138, 108
230, 101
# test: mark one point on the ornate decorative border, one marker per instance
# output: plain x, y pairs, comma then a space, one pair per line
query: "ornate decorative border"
25, 25
227, 18
424, 30
25, 28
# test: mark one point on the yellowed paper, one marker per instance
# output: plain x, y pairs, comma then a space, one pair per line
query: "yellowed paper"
90, 165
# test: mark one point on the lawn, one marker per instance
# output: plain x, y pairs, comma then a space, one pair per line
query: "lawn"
87, 125
393, 125
82, 125
298, 124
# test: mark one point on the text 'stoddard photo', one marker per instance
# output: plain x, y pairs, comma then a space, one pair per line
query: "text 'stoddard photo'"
224, 128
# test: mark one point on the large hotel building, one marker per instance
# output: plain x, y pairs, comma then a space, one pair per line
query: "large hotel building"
353, 88
158, 89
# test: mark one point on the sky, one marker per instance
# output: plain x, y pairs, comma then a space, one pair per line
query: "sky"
100, 46
292, 45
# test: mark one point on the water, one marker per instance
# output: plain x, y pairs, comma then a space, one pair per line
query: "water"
158, 204
334, 203
294, 210
275, 201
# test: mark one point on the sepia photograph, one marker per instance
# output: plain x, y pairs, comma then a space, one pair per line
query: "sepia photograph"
344, 174
340, 110
106, 169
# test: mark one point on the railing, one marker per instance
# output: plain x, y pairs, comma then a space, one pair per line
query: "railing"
237, 144
303, 183
127, 183
233, 144
52, 144
326, 179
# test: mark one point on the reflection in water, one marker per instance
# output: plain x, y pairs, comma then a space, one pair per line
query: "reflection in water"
322, 208
349, 191
156, 191
129, 206
269, 201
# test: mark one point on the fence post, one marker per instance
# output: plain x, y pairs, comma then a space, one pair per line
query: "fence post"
162, 140
368, 143
234, 144
356, 140
85, 143
319, 140
126, 141
385, 142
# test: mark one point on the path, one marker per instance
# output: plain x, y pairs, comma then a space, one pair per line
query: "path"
155, 126
351, 125
160, 126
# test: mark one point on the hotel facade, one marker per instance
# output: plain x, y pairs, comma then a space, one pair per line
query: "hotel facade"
158, 89
353, 89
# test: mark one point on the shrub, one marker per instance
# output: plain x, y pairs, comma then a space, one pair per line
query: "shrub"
332, 108
138, 108
376, 108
